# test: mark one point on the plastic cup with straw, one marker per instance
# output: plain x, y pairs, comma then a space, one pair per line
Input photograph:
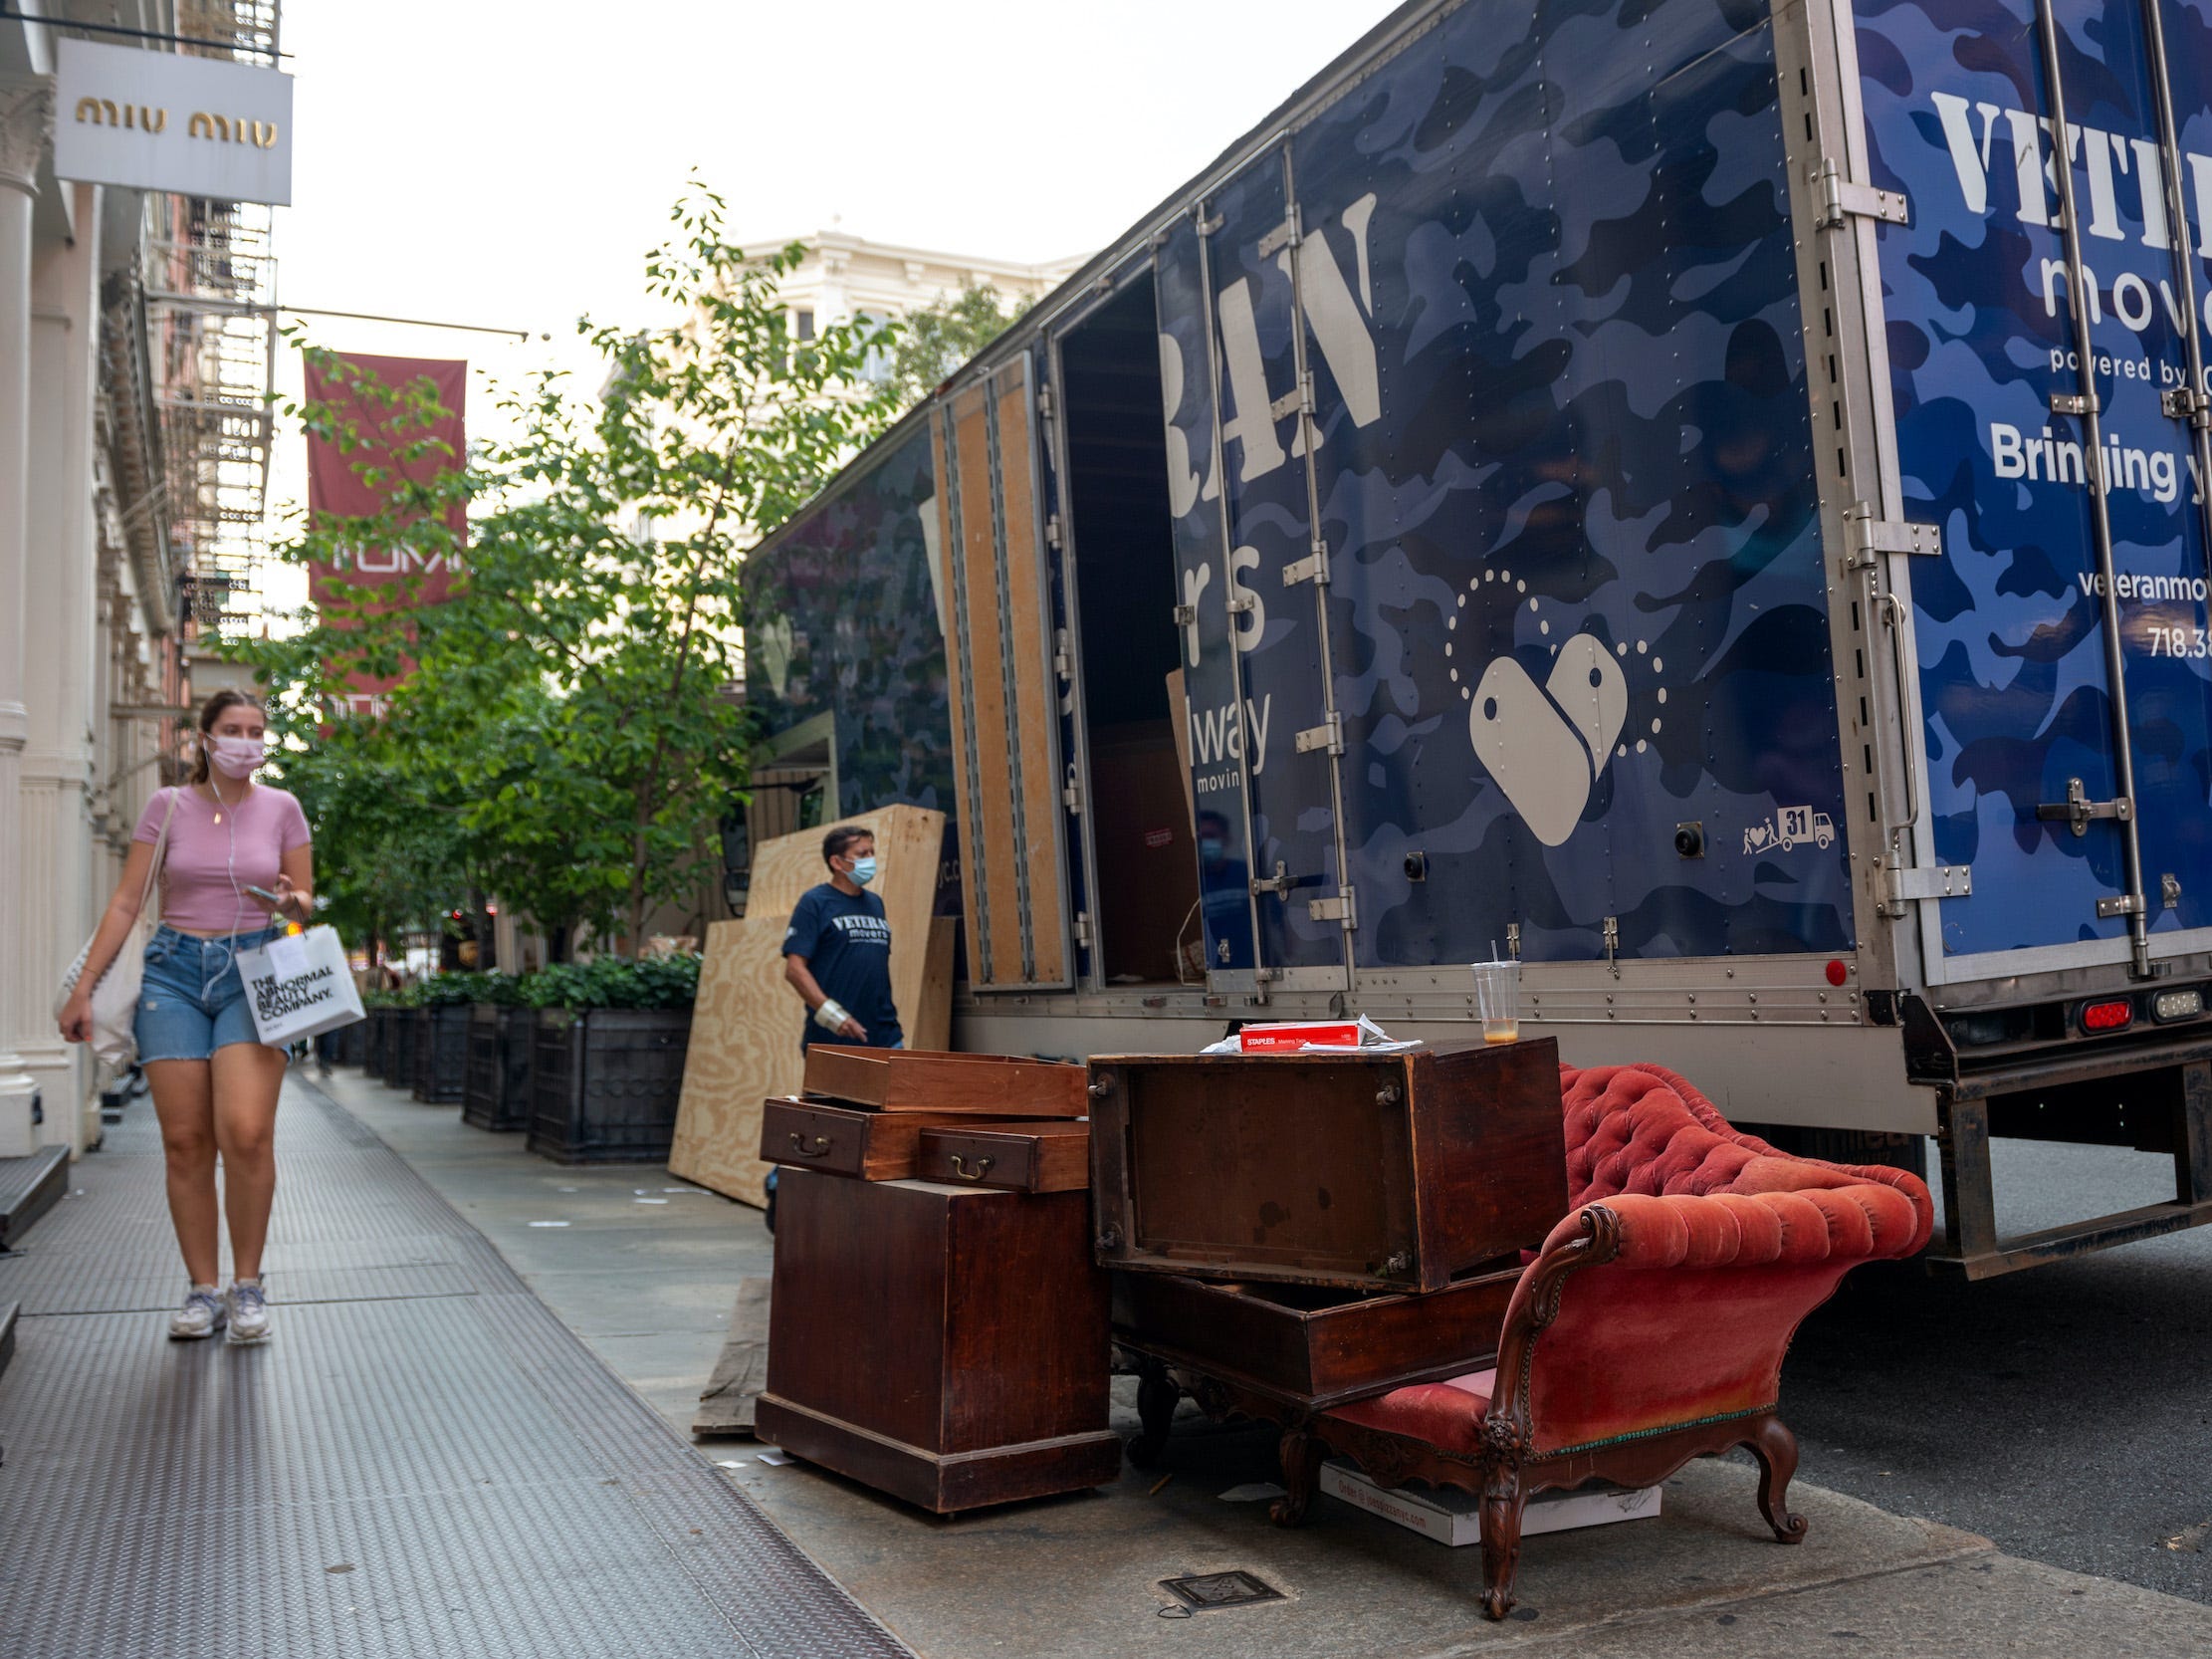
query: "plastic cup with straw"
1497, 997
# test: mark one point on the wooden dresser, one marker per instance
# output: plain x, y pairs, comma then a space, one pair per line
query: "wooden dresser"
944, 1343
1400, 1171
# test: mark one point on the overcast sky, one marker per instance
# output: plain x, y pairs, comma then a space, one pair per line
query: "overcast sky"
506, 163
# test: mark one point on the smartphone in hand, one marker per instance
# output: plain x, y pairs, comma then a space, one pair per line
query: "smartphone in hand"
264, 896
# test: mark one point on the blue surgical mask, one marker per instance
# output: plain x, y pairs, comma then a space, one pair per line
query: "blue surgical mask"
864, 869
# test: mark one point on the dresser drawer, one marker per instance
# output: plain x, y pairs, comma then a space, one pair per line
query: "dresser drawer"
980, 1086
1019, 1157
844, 1140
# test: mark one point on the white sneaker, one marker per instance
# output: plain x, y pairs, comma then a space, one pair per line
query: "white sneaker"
201, 1315
248, 1307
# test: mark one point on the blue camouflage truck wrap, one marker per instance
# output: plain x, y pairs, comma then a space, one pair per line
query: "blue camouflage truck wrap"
1708, 498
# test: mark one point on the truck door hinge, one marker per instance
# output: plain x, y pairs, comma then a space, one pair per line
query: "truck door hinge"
1328, 734
1052, 530
1284, 235
1612, 944
1297, 401
2075, 403
1186, 615
1083, 929
1869, 537
1837, 200
2076, 810
1281, 883
1314, 568
2187, 403
1071, 796
1513, 940
1242, 604
1044, 402
1342, 909
2124, 904
1906, 885
1061, 663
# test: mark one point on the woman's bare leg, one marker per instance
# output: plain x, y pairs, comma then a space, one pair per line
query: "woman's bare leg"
182, 1096
246, 1079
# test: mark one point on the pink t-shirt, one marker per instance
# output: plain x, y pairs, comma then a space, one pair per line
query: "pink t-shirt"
204, 857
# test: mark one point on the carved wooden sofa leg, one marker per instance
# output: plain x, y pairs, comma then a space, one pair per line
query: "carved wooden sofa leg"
1301, 1456
1503, 1501
1775, 1447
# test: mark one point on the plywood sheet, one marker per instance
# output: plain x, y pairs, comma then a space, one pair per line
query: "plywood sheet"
744, 1028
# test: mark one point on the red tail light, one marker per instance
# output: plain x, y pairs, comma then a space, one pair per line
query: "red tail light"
2113, 1015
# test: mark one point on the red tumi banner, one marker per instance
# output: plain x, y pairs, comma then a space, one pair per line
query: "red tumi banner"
335, 483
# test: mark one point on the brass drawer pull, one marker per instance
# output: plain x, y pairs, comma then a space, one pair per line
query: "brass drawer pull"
798, 1145
983, 1167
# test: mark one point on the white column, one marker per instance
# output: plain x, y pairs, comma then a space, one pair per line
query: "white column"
26, 116
60, 660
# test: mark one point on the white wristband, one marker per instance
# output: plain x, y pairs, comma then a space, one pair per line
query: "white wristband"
832, 1016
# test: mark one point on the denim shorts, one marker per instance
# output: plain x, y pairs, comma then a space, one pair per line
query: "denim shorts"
192, 1001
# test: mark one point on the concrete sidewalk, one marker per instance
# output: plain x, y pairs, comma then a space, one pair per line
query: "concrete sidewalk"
645, 1270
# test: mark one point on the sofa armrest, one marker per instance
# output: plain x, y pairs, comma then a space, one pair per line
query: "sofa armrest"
1646, 1313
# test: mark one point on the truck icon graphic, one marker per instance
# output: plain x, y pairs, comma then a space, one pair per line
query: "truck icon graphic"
1790, 827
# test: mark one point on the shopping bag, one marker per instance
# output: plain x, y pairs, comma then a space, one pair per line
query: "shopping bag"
298, 985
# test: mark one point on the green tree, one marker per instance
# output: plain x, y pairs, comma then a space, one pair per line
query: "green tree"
936, 339
564, 708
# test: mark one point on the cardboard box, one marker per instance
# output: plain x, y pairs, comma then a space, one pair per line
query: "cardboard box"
1290, 1037
1454, 1517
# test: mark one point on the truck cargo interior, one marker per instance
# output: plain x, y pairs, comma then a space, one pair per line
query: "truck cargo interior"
1124, 565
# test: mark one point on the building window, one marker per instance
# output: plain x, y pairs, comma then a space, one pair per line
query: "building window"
804, 326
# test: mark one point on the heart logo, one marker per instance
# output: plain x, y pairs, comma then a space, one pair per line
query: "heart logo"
1546, 745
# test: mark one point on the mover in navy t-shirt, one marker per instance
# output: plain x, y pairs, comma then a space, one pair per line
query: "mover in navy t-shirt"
846, 943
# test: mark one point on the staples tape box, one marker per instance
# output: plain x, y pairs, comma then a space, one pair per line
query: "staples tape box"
1454, 1517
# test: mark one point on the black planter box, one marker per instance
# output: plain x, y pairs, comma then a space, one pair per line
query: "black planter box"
606, 1081
378, 1023
441, 1071
399, 1047
497, 1094
349, 1044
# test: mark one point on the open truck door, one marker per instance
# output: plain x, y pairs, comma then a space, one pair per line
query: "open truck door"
2051, 493
1000, 683
2034, 541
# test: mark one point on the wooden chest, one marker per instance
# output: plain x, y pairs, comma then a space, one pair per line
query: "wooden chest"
944, 1345
1401, 1171
1309, 1345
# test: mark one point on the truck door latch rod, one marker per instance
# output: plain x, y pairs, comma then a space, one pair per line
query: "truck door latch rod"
2076, 810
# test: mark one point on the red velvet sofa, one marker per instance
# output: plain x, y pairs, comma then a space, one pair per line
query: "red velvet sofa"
1651, 1328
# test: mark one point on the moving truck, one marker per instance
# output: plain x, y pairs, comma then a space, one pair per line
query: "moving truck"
1693, 493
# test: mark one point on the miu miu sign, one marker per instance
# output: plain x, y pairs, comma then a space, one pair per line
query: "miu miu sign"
229, 137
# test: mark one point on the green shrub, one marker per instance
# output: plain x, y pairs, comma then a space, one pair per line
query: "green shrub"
612, 982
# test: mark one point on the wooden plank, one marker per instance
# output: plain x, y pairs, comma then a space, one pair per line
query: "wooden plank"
988, 822
1034, 689
744, 1028
742, 1371
944, 451
933, 1018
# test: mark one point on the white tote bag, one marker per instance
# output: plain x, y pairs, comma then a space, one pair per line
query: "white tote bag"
299, 985
115, 996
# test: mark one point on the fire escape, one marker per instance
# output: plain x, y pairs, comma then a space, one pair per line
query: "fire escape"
209, 279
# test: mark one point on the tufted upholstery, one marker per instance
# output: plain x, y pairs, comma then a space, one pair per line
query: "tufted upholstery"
1725, 1245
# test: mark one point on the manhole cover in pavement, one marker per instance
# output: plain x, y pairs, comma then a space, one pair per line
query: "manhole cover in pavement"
1204, 1592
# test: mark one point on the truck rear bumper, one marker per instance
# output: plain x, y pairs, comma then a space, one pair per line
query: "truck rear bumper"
2153, 1097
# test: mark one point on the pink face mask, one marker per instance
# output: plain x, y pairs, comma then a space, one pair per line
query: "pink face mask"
236, 756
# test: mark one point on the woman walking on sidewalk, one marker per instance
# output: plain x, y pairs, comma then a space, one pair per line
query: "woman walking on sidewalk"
214, 1082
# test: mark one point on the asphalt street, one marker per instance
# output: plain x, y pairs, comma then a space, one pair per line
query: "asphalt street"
2064, 1412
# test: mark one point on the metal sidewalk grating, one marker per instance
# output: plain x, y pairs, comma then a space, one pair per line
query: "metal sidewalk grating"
423, 1462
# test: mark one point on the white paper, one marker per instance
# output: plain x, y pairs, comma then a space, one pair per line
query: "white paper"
549, 1224
1251, 1492
287, 955
774, 1457
729, 1463
1372, 1041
